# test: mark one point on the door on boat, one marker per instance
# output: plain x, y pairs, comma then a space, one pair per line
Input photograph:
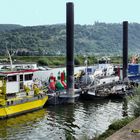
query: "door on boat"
21, 86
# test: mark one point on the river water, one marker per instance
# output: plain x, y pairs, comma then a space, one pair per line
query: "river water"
84, 119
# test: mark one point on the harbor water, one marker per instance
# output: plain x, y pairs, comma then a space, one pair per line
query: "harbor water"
84, 119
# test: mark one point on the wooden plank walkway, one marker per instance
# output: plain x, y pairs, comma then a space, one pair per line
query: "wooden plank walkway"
126, 133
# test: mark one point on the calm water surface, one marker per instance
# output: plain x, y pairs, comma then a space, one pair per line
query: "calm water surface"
83, 119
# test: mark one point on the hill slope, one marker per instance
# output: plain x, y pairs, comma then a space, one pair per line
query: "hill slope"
100, 38
8, 27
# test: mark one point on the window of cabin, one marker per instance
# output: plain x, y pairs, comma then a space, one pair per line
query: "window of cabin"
12, 78
28, 77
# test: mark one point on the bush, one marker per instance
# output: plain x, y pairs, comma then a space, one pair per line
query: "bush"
42, 62
136, 103
136, 107
120, 123
77, 61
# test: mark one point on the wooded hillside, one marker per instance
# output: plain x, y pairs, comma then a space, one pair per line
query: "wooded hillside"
99, 38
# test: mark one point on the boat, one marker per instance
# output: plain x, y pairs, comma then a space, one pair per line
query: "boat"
102, 69
100, 87
109, 88
19, 93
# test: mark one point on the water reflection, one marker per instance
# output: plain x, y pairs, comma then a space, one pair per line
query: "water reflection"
80, 120
14, 127
63, 118
86, 118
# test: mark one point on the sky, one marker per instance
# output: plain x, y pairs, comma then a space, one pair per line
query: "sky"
44, 12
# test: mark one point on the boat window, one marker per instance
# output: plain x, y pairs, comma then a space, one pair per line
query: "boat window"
12, 78
8, 103
28, 77
12, 102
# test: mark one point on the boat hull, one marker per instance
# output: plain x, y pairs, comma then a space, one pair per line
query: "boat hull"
117, 95
87, 96
12, 110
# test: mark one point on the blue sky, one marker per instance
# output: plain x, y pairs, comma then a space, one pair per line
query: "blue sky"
43, 12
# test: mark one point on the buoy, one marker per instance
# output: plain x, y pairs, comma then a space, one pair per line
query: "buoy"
63, 79
52, 82
64, 84
59, 85
62, 76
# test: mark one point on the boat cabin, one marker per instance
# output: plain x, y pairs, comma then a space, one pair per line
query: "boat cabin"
16, 81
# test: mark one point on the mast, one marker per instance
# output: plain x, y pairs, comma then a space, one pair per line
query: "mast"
10, 58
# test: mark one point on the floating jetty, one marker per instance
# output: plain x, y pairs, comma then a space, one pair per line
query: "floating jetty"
61, 97
56, 90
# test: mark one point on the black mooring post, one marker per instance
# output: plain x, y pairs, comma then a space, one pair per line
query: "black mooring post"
125, 49
69, 47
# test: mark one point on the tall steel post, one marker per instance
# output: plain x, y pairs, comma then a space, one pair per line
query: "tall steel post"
70, 49
125, 49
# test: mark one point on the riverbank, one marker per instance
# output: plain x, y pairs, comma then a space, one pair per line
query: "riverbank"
129, 132
114, 127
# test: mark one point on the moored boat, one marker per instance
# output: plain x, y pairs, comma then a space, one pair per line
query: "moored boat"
19, 93
103, 69
108, 87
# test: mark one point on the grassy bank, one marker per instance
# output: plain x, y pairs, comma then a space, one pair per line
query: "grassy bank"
53, 61
115, 126
58, 61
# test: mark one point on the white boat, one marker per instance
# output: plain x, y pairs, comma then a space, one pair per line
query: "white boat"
100, 88
103, 69
108, 87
